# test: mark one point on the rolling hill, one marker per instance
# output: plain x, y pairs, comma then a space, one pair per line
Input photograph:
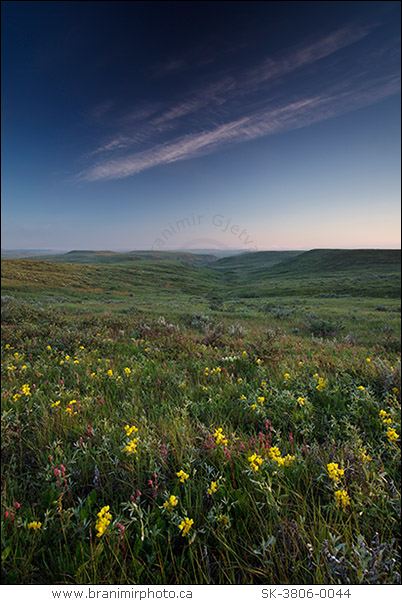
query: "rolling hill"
335, 272
90, 257
252, 261
142, 278
329, 272
325, 261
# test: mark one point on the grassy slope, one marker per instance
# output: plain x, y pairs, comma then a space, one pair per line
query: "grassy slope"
140, 278
355, 273
252, 261
341, 260
115, 257
360, 273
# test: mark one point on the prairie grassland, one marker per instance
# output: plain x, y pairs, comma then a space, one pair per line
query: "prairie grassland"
185, 435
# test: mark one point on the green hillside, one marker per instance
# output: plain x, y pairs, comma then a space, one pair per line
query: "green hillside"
341, 260
84, 256
256, 260
335, 272
367, 273
140, 278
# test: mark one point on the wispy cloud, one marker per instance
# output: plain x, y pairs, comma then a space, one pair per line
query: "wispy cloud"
237, 107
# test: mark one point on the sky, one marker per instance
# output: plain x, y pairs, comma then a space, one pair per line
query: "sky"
183, 125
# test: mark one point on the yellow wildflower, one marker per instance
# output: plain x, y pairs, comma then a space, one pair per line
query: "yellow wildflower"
321, 384
288, 459
334, 472
342, 498
385, 417
392, 435
275, 455
254, 406
255, 462
48, 348
213, 487
55, 404
131, 447
300, 401
35, 525
182, 476
365, 457
220, 437
171, 502
261, 400
185, 525
104, 517
130, 429
286, 375
361, 388
127, 371
26, 389
239, 380
110, 372
274, 452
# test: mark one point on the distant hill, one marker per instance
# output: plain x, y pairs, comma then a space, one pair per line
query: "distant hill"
218, 253
374, 273
255, 260
21, 253
90, 257
335, 272
323, 261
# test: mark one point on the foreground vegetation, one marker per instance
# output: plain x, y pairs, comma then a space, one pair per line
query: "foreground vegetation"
175, 431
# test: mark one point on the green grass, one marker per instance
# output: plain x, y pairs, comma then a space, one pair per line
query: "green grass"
108, 257
353, 273
252, 261
201, 356
144, 277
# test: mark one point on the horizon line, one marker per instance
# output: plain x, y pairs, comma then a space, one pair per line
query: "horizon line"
187, 250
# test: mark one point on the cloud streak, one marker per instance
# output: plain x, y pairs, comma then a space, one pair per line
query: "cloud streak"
238, 107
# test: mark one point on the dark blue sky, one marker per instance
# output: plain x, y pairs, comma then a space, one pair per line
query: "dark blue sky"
131, 125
